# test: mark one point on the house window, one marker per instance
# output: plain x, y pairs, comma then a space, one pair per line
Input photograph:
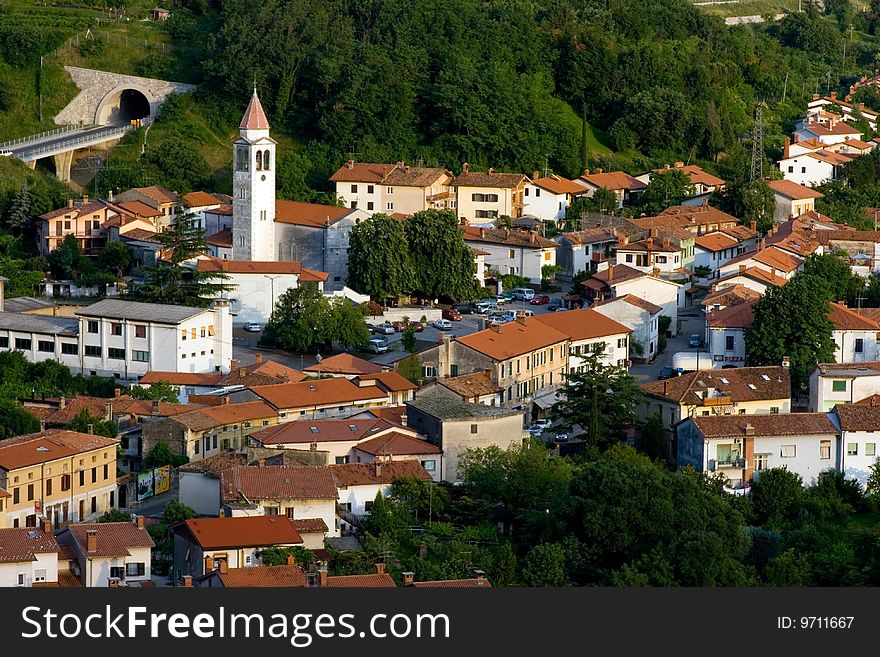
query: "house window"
368, 505
117, 572
116, 354
68, 348
860, 345
354, 189
729, 342
429, 371
370, 205
474, 428
537, 192
65, 482
629, 257
106, 471
23, 344
140, 331
271, 510
135, 570
116, 328
369, 189
389, 206
390, 190
774, 410
788, 451
48, 486
30, 491
183, 334
192, 334
4, 343
94, 506
16, 497
92, 326
852, 449
803, 169
46, 346
838, 386
354, 205
197, 446
429, 465
870, 449
40, 575
762, 462
341, 460
140, 356
790, 169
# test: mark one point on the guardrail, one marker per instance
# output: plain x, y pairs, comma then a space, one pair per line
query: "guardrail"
43, 135
89, 136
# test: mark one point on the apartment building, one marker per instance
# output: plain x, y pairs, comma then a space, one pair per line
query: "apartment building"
393, 188
590, 332
486, 196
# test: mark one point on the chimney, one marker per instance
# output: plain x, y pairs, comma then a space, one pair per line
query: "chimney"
85, 199
377, 468
482, 232
187, 581
495, 327
521, 317
465, 168
70, 202
291, 560
816, 96
209, 564
47, 526
155, 409
679, 165
233, 364
408, 578
225, 400
117, 392
241, 372
42, 425
112, 582
610, 272
403, 420
649, 243
705, 203
652, 232
873, 400
62, 402
833, 95
598, 170
785, 146
665, 242
748, 429
261, 463
224, 567
322, 577
536, 175
139, 522
786, 361
742, 269
754, 226
655, 272
258, 358
761, 244
91, 540
350, 164
110, 195
313, 447
533, 237
481, 576
90, 428
380, 568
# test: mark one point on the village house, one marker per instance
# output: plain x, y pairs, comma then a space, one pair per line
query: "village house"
802, 236
625, 187
83, 219
855, 335
641, 317
512, 252
590, 332
28, 556
200, 203
725, 334
702, 181
723, 296
289, 575
813, 168
304, 494
851, 111
389, 188
60, 475
859, 435
126, 339
741, 448
583, 251
475, 387
455, 426
168, 203
548, 197
757, 279
862, 247
843, 383
40, 337
697, 219
825, 127
398, 446
488, 196
359, 483
792, 200
220, 244
344, 365
776, 262
714, 250
109, 553
201, 545
649, 254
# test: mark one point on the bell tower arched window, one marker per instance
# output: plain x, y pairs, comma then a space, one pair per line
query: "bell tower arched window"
259, 161
266, 160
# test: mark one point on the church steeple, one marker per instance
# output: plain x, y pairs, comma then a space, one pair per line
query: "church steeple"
254, 117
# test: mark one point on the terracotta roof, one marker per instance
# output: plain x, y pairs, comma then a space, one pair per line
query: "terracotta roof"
827, 156
365, 172
839, 128
858, 417
618, 274
260, 577
392, 381
778, 424
44, 446
375, 580
407, 176
392, 414
114, 538
870, 368
716, 241
700, 214
812, 143
633, 300
868, 113
489, 179
140, 209
648, 244
309, 431
514, 339
367, 474
468, 386
277, 482
96, 406
144, 407
858, 143
210, 417
591, 236
181, 378
249, 266
873, 400
614, 180
157, 193
758, 274
4, 493
344, 364
476, 582
871, 313
222, 238
740, 315
778, 259
310, 525
200, 199
77, 210
396, 443
140, 235
741, 384
558, 185
697, 175
22, 543
224, 210
846, 319
583, 324
242, 531
526, 239
730, 296
262, 373
254, 117
740, 232
308, 214
323, 392
214, 465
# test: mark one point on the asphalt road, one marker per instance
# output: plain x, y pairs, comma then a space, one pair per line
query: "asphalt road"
691, 323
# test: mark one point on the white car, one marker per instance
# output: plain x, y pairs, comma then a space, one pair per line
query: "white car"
539, 427
385, 328
5, 153
376, 345
253, 327
442, 324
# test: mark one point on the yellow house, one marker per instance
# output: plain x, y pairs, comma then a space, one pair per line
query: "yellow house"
62, 476
393, 188
83, 219
489, 195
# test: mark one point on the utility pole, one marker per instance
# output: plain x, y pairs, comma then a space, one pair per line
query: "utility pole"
272, 282
758, 145
41, 89
785, 87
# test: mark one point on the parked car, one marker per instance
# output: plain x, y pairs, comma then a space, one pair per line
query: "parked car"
466, 308
442, 324
523, 293
418, 327
695, 340
540, 300
376, 346
486, 306
539, 427
561, 437
667, 373
384, 328
502, 299
452, 314
253, 327
5, 153
555, 304
401, 326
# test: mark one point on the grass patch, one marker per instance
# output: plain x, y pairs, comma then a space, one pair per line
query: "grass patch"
752, 8
597, 141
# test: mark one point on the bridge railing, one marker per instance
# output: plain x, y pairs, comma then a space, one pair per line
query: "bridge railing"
89, 137
43, 135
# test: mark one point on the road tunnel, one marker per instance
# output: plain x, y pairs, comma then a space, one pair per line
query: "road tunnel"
123, 106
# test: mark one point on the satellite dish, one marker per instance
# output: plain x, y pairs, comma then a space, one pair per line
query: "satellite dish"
318, 357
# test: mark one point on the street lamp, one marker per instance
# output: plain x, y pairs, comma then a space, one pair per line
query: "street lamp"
272, 281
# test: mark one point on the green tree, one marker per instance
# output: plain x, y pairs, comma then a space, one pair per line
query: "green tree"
170, 280
277, 556
776, 496
408, 339
544, 565
443, 263
347, 324
301, 321
101, 427
379, 260
792, 320
666, 189
180, 164
872, 486
602, 201
19, 214
601, 399
652, 440
160, 454
114, 515
115, 258
410, 368
789, 569
15, 420
161, 391
836, 274
176, 511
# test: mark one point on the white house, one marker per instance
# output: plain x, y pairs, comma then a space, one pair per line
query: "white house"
702, 181
650, 254
590, 332
742, 447
547, 198
792, 200
127, 339
625, 187
638, 315
583, 251
854, 334
715, 249
513, 252
753, 278
826, 127
813, 168
28, 556
859, 435
776, 262
725, 334
41, 337
849, 109
109, 551
359, 483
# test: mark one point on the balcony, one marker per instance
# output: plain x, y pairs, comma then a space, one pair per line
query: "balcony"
440, 196
727, 462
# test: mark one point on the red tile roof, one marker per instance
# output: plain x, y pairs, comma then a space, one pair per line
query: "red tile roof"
181, 378
846, 319
476, 582
758, 274
249, 266
716, 241
516, 238
277, 482
261, 373
261, 577
140, 209
44, 446
365, 172
308, 214
742, 384
375, 580
323, 392
396, 443
558, 185
616, 274
368, 474
740, 315
860, 416
309, 431
591, 236
210, 417
201, 199
779, 424
222, 238
95, 406
583, 324
254, 117
157, 193
115, 539
469, 386
344, 364
392, 381
490, 178
514, 338
614, 180
22, 543
310, 525
242, 531
697, 175
633, 300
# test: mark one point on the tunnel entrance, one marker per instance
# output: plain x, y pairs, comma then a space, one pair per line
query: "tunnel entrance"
132, 105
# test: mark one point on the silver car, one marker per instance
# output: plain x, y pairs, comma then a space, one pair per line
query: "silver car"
442, 324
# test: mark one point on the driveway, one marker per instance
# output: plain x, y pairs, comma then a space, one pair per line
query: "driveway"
690, 324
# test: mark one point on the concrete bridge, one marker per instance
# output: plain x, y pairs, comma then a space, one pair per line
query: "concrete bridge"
101, 113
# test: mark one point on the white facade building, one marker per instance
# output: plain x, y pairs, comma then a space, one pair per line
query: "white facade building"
28, 555
843, 383
725, 334
639, 315
859, 435
547, 198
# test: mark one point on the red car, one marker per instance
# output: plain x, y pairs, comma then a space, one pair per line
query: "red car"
400, 327
540, 300
452, 314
